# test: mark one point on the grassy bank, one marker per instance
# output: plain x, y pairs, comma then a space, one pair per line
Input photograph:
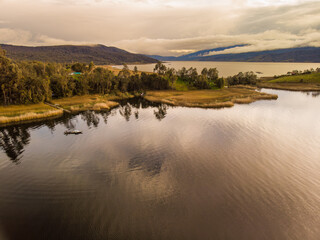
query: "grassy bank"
300, 78
34, 112
25, 113
208, 98
89, 102
301, 82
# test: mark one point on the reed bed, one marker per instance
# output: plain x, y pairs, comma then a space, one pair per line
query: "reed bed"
209, 98
29, 117
87, 102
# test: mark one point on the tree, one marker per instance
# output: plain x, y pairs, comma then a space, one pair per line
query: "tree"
213, 75
100, 80
9, 77
79, 67
204, 72
160, 68
182, 73
243, 78
192, 74
171, 76
201, 82
91, 66
220, 83
123, 78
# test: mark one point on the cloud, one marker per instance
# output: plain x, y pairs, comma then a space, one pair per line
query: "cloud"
256, 42
21, 37
288, 18
165, 27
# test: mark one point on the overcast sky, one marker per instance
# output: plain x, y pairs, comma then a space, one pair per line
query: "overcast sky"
165, 27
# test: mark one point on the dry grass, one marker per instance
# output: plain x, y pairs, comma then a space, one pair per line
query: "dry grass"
208, 98
17, 110
23, 113
31, 116
26, 113
244, 86
87, 102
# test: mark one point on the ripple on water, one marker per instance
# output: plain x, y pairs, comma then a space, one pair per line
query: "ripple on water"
248, 172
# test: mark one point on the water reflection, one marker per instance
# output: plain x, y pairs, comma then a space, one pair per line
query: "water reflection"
161, 112
126, 111
91, 118
313, 94
13, 141
149, 160
136, 114
250, 172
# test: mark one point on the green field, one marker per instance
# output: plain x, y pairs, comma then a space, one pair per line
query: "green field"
301, 78
301, 82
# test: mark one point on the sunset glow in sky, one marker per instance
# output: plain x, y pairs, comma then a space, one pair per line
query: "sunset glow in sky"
165, 27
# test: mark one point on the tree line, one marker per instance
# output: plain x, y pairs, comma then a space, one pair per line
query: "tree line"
24, 82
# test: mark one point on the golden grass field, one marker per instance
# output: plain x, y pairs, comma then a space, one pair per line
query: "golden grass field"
21, 113
89, 102
26, 113
226, 97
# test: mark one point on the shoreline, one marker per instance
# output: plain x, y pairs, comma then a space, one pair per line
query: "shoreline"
221, 98
298, 87
208, 98
32, 120
304, 82
19, 114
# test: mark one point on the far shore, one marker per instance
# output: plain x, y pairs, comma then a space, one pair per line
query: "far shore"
290, 83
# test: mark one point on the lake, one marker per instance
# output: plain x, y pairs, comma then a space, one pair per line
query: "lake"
266, 69
150, 171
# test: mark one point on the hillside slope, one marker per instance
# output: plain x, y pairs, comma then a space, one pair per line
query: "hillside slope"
99, 54
304, 54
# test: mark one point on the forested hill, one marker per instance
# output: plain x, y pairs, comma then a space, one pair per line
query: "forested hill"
99, 54
303, 54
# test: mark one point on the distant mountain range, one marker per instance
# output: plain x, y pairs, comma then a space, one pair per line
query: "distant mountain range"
99, 54
303, 54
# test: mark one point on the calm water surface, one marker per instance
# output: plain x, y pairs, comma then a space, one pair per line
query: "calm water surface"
265, 69
157, 172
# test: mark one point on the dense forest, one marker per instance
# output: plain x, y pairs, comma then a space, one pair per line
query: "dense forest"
24, 82
99, 54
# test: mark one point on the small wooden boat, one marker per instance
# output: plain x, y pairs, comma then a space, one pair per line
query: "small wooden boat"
75, 132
